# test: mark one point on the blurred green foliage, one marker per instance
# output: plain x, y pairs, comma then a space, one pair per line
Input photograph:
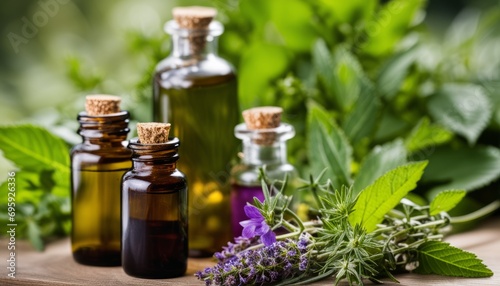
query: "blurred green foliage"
371, 84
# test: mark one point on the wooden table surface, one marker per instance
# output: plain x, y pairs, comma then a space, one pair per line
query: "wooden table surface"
55, 266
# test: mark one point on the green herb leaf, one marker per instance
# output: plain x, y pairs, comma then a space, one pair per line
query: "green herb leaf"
328, 147
426, 135
446, 201
361, 121
394, 72
385, 193
33, 148
436, 257
341, 74
380, 160
467, 169
463, 108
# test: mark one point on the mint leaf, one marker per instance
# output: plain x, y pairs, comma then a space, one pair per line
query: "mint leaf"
437, 257
340, 74
462, 108
360, 123
328, 147
426, 135
347, 78
447, 166
380, 160
393, 73
385, 193
33, 148
446, 201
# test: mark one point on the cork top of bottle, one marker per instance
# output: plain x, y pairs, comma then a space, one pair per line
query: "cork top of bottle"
264, 120
264, 117
153, 132
102, 104
194, 17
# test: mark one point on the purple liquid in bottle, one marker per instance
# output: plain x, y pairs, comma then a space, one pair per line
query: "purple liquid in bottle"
240, 195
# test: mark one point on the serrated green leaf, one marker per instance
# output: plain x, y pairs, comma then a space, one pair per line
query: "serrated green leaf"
426, 135
341, 74
361, 121
347, 78
393, 73
467, 169
323, 64
437, 257
462, 108
385, 193
328, 147
390, 25
446, 201
33, 148
380, 160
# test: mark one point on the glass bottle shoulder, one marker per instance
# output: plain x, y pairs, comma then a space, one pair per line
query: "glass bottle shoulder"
144, 180
249, 174
174, 72
99, 154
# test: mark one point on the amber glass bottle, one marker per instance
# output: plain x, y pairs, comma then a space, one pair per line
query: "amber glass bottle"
154, 212
97, 165
196, 91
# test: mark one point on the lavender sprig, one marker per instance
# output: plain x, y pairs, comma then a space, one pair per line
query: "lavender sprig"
277, 262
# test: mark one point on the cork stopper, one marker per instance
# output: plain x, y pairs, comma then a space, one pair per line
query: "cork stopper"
153, 132
262, 118
194, 17
102, 104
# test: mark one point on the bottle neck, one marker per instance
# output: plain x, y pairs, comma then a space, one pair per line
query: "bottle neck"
255, 154
193, 44
162, 156
265, 146
104, 129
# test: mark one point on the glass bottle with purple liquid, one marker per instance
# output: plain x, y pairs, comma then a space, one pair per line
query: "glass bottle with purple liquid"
264, 145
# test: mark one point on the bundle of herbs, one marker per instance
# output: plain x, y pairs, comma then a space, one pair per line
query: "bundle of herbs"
368, 236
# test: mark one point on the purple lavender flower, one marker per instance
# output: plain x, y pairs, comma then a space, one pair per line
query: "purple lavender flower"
257, 226
257, 266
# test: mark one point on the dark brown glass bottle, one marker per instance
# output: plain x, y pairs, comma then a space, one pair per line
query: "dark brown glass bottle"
196, 91
154, 212
97, 165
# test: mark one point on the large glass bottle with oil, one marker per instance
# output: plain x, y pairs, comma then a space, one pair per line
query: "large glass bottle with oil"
97, 166
196, 91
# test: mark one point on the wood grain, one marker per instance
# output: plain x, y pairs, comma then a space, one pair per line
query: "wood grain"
55, 266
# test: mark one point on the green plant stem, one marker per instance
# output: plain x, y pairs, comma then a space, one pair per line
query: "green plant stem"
493, 206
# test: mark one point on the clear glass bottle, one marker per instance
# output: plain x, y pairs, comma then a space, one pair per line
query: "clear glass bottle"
154, 212
196, 91
97, 166
245, 176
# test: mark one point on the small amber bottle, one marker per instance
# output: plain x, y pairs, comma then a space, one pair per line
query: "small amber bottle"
97, 165
154, 206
